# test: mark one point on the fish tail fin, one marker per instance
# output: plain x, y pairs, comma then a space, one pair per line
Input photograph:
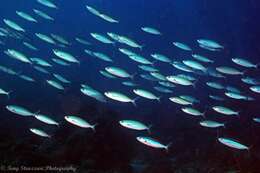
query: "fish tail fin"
149, 128
134, 101
194, 84
153, 62
37, 112
203, 114
19, 73
257, 65
224, 125
168, 146
159, 99
93, 127
8, 94
133, 76
114, 44
217, 133
141, 47
244, 72
238, 115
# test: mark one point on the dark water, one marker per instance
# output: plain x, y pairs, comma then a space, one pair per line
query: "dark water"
112, 148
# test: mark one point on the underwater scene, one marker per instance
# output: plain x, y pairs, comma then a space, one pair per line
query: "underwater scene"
130, 86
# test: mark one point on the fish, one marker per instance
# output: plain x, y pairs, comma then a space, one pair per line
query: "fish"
194, 65
60, 39
244, 63
215, 73
232, 89
188, 77
209, 48
161, 58
26, 16
232, 143
43, 15
40, 62
229, 70
130, 42
18, 55
127, 51
19, 110
82, 41
61, 78
140, 59
108, 18
77, 121
181, 66
102, 56
13, 25
39, 132
116, 71
129, 83
158, 76
47, 3
146, 94
235, 96
182, 46
166, 84
120, 97
60, 62
135, 125
102, 16
89, 91
45, 38
179, 80
257, 120
210, 44
148, 77
250, 81
151, 30
107, 75
30, 46
148, 68
27, 78
55, 84
101, 38
215, 85
7, 93
217, 98
65, 56
8, 70
114, 36
224, 110
162, 89
152, 142
45, 119
202, 58
189, 98
255, 88
180, 101
93, 10
192, 111
211, 124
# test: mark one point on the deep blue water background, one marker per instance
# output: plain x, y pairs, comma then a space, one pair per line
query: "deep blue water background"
233, 23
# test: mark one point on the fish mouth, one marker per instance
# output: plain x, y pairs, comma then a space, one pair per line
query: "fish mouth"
138, 138
106, 93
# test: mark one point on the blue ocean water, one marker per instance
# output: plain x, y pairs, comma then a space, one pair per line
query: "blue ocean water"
113, 148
